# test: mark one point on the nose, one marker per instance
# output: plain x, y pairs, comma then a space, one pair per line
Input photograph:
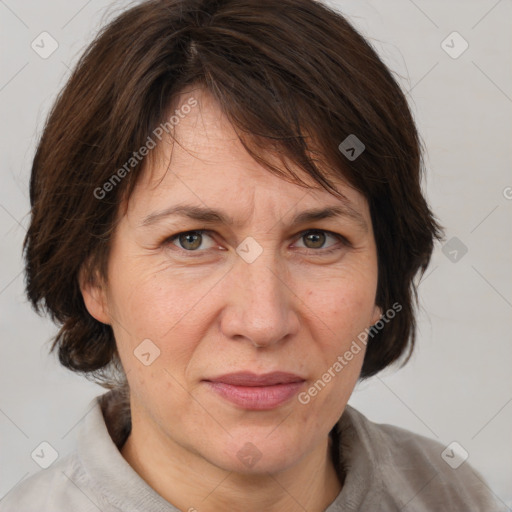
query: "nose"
260, 306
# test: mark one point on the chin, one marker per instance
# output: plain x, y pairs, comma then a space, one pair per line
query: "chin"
258, 453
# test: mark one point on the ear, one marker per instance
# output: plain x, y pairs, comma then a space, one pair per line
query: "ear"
377, 313
94, 295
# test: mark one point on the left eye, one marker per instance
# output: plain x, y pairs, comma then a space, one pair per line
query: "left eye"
190, 241
317, 238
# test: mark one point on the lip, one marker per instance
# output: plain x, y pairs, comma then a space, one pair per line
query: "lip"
256, 392
253, 379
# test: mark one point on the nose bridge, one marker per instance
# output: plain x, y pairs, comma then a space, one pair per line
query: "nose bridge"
260, 307
262, 275
259, 271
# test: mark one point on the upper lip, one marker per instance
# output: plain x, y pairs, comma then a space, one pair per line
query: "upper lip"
252, 379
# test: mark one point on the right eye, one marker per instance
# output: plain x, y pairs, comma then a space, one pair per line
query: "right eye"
189, 241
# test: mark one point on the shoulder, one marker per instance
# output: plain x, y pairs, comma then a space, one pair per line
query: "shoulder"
421, 473
57, 488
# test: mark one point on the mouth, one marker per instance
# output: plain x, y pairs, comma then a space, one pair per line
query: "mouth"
256, 392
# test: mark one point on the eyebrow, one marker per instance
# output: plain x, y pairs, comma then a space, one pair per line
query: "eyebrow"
212, 216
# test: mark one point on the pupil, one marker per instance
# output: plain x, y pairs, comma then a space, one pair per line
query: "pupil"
315, 237
189, 237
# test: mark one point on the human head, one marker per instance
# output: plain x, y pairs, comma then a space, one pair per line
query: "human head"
295, 79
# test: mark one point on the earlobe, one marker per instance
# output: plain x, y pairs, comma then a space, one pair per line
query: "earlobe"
95, 299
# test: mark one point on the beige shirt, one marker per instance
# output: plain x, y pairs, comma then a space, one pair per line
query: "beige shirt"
387, 469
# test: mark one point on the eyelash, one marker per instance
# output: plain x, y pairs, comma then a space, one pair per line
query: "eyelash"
342, 239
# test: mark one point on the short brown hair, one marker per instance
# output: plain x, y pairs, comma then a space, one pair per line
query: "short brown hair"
293, 76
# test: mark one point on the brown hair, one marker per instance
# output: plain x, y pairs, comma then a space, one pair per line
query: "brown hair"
293, 76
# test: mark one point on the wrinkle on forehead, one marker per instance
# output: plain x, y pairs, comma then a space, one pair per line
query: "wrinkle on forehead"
204, 140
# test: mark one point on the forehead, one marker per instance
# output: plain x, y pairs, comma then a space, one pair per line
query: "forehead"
207, 164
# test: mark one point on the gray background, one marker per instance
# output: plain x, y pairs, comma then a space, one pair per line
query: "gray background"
458, 386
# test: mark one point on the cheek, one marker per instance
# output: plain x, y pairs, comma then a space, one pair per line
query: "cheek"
153, 303
344, 305
160, 306
341, 309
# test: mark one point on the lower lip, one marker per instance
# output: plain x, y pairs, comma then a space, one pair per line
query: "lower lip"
256, 398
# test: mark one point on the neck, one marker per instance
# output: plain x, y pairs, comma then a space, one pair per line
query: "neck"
189, 482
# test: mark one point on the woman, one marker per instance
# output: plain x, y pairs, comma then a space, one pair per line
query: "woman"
226, 222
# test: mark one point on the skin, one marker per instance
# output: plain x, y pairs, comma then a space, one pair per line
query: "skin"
294, 308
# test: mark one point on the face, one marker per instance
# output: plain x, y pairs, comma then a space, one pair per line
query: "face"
191, 301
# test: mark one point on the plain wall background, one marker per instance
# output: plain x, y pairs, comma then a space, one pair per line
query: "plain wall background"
458, 385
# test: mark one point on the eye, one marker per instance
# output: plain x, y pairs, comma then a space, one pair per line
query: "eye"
315, 239
191, 241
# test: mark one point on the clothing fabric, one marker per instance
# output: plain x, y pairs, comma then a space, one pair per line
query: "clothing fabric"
386, 468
